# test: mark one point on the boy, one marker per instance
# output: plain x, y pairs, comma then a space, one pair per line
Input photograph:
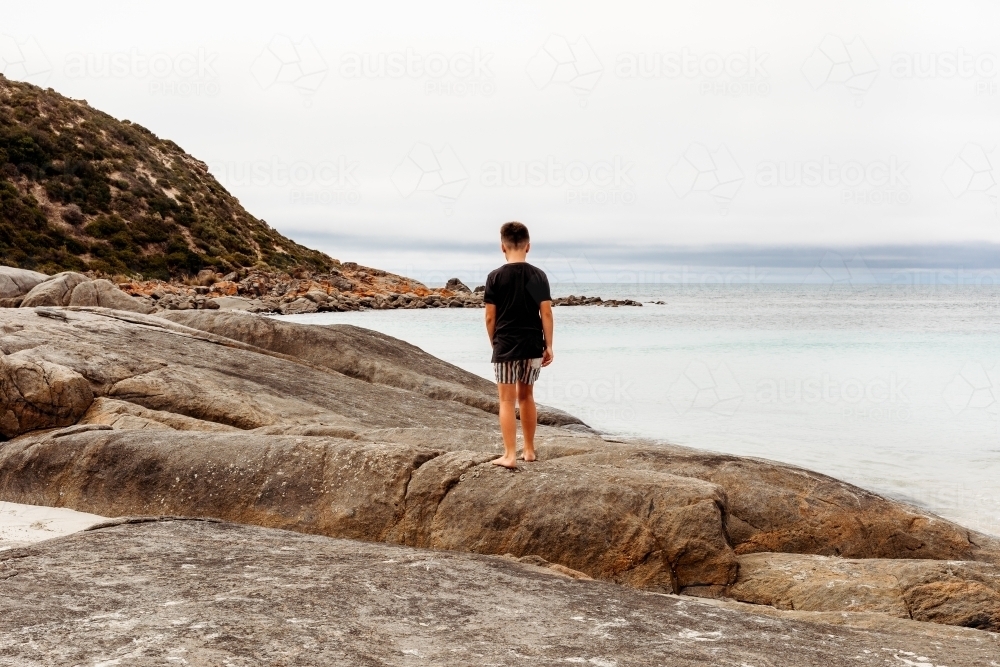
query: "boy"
519, 324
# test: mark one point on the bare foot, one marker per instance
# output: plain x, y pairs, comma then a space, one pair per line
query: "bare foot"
529, 457
504, 462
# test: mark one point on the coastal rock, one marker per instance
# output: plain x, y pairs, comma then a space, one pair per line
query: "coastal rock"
149, 591
363, 354
298, 307
949, 592
351, 433
104, 294
643, 529
123, 415
56, 291
456, 285
777, 507
36, 394
18, 282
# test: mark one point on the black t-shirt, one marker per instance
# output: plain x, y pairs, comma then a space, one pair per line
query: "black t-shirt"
517, 290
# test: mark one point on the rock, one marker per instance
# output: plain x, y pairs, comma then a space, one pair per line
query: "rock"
207, 592
56, 291
298, 307
774, 507
456, 285
342, 284
348, 432
102, 293
206, 277
480, 290
211, 304
234, 303
317, 296
129, 416
18, 282
949, 592
363, 354
37, 394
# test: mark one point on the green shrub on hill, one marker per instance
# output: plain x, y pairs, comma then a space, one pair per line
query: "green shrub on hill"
80, 190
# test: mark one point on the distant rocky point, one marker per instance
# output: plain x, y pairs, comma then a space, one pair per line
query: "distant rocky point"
352, 287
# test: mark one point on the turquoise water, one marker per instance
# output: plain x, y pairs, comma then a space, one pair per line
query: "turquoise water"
896, 389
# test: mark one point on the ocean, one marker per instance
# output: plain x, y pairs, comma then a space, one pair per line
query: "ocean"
893, 388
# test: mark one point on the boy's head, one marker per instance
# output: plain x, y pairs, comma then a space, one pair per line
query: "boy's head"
514, 236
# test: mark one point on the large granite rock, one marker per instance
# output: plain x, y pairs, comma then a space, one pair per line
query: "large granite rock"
18, 282
363, 354
204, 593
950, 592
56, 291
640, 528
348, 433
36, 394
782, 508
105, 294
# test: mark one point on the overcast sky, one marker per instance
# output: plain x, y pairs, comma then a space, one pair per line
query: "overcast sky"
624, 134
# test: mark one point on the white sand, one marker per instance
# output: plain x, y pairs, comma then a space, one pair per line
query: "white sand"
26, 524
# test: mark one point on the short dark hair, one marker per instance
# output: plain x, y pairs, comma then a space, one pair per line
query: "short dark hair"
514, 235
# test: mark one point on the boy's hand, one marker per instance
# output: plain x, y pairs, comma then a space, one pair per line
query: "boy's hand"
547, 356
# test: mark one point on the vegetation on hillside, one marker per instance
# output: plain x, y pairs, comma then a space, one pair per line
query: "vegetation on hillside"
80, 190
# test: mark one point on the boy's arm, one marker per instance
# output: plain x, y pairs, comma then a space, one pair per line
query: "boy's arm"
491, 320
545, 310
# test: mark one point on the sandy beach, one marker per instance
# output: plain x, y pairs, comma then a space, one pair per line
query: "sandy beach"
26, 524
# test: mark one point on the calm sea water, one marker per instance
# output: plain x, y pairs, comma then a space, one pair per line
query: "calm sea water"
896, 389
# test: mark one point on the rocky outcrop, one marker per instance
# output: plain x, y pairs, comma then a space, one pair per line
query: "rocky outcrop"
18, 282
56, 291
363, 354
349, 433
949, 592
142, 591
783, 508
104, 294
36, 394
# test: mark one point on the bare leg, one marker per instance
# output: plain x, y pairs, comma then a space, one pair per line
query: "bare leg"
529, 418
508, 426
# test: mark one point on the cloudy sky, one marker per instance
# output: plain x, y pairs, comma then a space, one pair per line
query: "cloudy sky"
628, 136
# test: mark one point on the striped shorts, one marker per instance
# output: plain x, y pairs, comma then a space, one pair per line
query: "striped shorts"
524, 371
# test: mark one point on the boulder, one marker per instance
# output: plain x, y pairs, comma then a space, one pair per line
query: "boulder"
774, 507
104, 294
317, 296
18, 282
948, 592
56, 291
37, 394
162, 591
298, 307
456, 285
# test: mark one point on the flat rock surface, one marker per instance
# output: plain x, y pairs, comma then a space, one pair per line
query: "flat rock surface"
205, 593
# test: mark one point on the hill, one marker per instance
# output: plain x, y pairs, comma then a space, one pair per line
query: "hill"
82, 191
